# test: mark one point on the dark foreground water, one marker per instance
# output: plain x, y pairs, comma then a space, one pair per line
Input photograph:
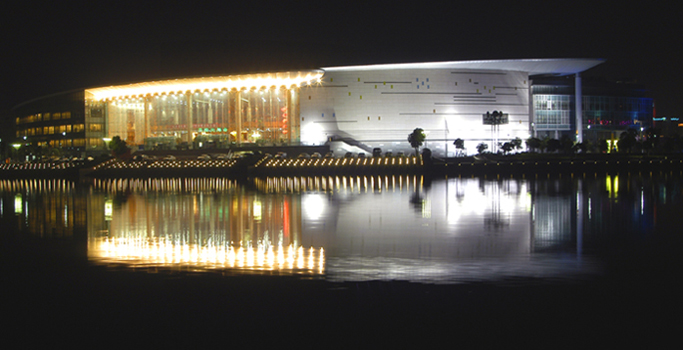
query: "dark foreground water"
575, 260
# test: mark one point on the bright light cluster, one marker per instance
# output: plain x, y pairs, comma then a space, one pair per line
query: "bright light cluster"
161, 252
207, 84
340, 184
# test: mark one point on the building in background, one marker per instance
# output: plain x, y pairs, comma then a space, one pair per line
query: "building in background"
51, 126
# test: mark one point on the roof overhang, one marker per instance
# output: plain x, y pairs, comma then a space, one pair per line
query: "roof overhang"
207, 84
554, 66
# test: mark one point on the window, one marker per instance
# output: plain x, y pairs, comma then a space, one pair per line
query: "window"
95, 127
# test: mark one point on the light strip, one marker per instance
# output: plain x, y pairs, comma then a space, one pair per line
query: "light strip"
206, 84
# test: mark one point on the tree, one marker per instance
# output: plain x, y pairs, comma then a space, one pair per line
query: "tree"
507, 147
627, 140
533, 144
416, 139
566, 144
553, 145
482, 147
459, 146
581, 147
603, 146
119, 148
517, 143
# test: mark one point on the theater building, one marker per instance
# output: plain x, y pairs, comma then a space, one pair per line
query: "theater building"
356, 108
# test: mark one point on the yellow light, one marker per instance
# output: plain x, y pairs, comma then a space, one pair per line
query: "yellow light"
237, 82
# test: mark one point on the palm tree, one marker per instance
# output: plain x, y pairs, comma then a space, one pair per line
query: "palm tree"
459, 146
416, 138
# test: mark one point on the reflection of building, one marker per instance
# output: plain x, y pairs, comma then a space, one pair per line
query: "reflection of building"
45, 208
345, 228
198, 228
361, 106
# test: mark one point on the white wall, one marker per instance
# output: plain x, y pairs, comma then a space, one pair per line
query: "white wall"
381, 107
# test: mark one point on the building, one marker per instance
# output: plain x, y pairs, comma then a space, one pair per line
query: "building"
608, 108
356, 108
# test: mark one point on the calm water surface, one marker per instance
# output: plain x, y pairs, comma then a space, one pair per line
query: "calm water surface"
339, 229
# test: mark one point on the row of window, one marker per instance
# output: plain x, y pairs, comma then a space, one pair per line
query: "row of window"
625, 104
593, 103
50, 130
552, 119
41, 117
62, 143
552, 102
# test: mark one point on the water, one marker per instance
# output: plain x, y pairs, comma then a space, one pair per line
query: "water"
345, 235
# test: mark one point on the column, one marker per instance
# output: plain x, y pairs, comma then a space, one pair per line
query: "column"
579, 108
188, 110
238, 118
145, 116
293, 115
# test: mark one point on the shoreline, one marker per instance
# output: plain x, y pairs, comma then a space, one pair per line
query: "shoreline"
515, 165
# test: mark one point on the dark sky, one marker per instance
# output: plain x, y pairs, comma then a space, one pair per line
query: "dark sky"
69, 45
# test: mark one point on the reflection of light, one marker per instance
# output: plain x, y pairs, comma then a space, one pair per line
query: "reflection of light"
313, 206
108, 209
427, 208
18, 205
257, 210
612, 186
642, 202
138, 250
467, 197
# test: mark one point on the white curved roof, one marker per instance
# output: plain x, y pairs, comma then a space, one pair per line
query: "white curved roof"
552, 66
229, 82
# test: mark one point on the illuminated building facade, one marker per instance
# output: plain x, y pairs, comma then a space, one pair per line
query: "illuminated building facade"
361, 107
608, 108
50, 126
200, 112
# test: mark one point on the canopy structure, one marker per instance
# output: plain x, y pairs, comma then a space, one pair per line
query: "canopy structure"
207, 84
551, 66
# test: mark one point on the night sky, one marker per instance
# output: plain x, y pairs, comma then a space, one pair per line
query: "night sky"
69, 45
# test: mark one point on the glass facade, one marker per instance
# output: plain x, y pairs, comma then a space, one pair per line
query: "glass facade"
608, 108
213, 112
214, 119
617, 111
552, 112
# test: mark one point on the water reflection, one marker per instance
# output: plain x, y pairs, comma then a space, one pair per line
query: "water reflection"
42, 208
198, 224
350, 228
